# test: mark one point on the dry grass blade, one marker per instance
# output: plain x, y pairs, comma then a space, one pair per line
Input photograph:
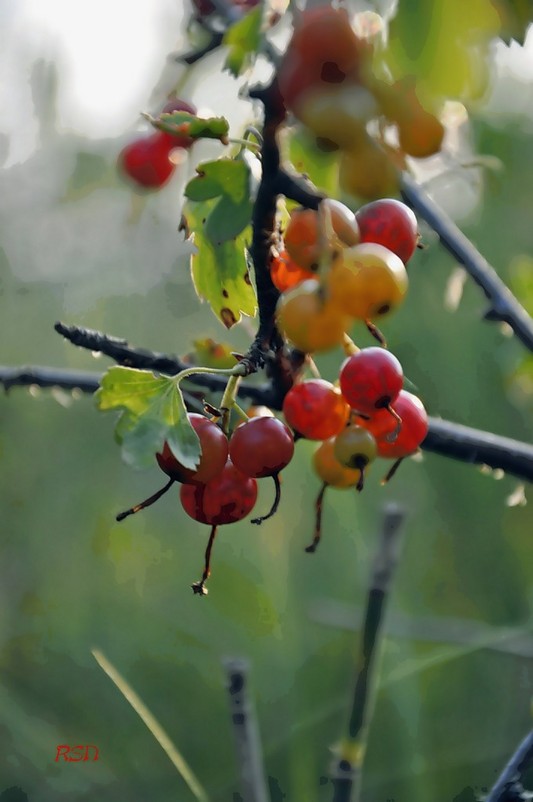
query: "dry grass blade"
153, 725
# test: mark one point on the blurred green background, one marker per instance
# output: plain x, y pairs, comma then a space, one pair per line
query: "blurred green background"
77, 245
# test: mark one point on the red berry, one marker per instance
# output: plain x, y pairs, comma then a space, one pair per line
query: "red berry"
227, 498
286, 274
261, 447
315, 409
390, 223
214, 446
146, 161
371, 379
413, 429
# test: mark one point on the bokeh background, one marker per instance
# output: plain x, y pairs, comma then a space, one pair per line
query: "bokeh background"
77, 245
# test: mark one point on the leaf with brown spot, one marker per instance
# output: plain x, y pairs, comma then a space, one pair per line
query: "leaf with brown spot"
218, 270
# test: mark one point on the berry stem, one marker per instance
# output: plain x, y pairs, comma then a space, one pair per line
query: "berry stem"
147, 503
376, 333
228, 401
275, 504
393, 436
318, 520
350, 348
388, 476
198, 587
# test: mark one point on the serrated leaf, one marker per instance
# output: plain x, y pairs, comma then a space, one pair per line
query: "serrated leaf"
153, 411
516, 17
321, 168
444, 44
230, 177
220, 272
243, 39
227, 180
181, 123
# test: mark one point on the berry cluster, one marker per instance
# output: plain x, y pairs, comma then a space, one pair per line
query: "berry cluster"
354, 271
326, 81
222, 489
146, 161
367, 416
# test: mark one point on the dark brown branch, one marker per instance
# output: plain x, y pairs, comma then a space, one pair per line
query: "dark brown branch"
481, 448
504, 306
512, 773
448, 439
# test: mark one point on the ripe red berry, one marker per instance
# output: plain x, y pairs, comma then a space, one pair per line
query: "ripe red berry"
390, 223
413, 429
315, 409
146, 161
261, 447
227, 498
214, 446
371, 379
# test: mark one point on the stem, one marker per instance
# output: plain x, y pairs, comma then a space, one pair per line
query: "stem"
246, 731
520, 761
199, 587
447, 438
318, 520
275, 505
390, 473
146, 503
346, 774
184, 374
228, 401
503, 305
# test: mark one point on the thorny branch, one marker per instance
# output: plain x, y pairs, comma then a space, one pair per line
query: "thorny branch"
504, 306
448, 439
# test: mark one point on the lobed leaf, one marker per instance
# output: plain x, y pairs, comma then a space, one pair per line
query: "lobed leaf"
182, 123
153, 411
243, 39
220, 269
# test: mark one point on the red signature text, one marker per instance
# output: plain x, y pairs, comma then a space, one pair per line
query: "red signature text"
74, 754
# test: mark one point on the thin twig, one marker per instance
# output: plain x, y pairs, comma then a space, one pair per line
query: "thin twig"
521, 760
249, 751
153, 725
445, 438
503, 305
347, 770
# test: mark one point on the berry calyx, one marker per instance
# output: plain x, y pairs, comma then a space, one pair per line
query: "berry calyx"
261, 447
330, 470
324, 51
371, 379
367, 281
316, 409
214, 445
390, 223
146, 161
354, 448
302, 240
309, 320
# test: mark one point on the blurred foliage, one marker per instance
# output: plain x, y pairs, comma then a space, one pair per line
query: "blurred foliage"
76, 245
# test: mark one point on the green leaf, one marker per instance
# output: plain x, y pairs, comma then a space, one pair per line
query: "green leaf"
516, 16
321, 168
220, 271
445, 44
182, 123
243, 40
227, 180
153, 411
